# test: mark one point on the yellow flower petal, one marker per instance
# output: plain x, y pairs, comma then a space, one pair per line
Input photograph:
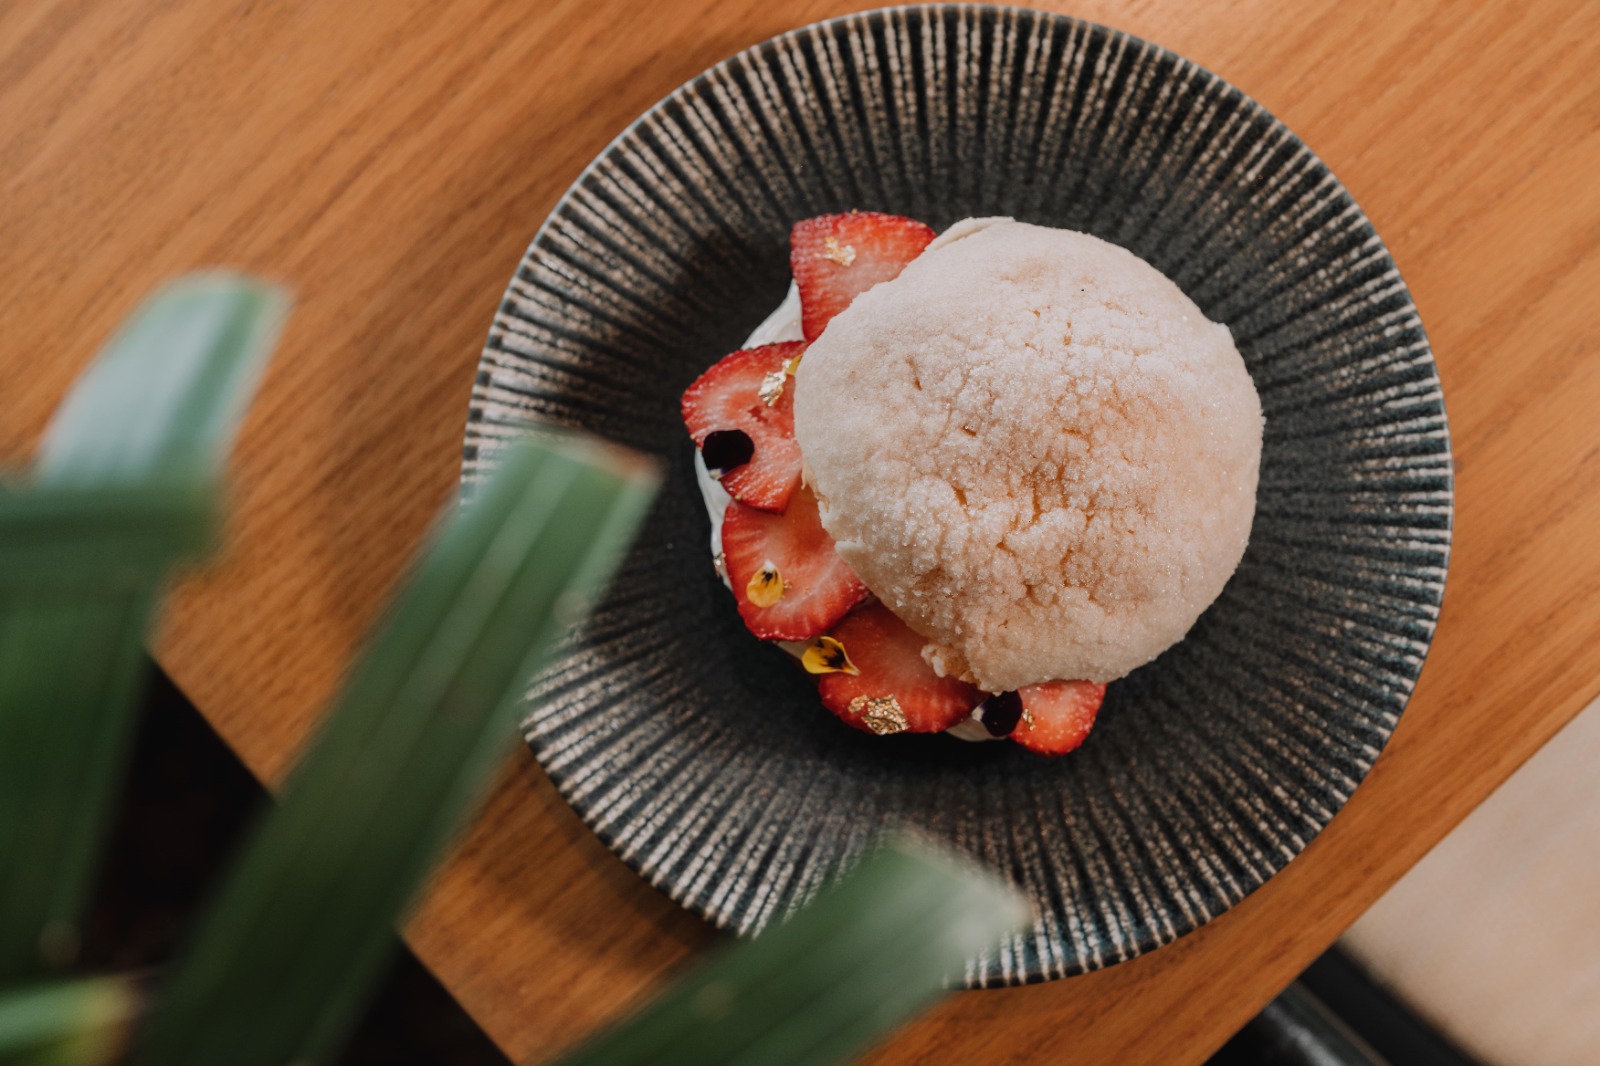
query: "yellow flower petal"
766, 586
827, 656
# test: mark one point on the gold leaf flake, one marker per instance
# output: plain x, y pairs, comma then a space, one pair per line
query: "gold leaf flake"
881, 714
719, 563
827, 656
772, 387
766, 586
833, 251
792, 364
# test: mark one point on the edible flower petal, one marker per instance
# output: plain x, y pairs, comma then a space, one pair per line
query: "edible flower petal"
766, 586
826, 655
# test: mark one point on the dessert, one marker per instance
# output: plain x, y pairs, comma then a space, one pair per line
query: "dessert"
969, 480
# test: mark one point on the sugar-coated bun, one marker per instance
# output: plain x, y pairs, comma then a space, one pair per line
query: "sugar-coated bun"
1036, 450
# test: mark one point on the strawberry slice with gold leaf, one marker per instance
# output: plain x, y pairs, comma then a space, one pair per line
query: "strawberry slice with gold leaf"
874, 677
740, 414
1057, 715
789, 581
835, 258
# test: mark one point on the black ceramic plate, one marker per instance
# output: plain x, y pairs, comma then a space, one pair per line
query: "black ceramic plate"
702, 756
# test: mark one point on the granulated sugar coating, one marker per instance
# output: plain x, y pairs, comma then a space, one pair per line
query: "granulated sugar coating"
1036, 450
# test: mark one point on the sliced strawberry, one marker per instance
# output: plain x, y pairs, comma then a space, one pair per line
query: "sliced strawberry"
835, 258
729, 397
894, 689
786, 575
1057, 715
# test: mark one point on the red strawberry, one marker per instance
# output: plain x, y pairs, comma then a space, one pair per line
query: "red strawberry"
1057, 715
894, 690
789, 581
835, 258
728, 397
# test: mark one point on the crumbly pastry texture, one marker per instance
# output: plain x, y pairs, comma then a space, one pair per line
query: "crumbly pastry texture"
1035, 450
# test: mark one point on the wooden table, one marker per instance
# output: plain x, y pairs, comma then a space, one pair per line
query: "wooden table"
391, 160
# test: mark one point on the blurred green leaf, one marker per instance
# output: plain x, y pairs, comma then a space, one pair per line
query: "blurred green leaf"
284, 959
100, 539
69, 665
166, 396
122, 490
73, 1023
856, 962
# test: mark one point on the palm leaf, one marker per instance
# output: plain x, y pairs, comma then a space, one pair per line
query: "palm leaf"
284, 959
122, 489
166, 396
71, 1023
91, 540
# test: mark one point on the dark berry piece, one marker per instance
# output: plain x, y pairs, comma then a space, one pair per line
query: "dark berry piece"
1000, 714
725, 450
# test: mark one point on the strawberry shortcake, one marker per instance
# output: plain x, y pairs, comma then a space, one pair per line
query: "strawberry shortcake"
967, 480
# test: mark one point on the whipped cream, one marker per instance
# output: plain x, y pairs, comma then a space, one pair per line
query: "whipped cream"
784, 325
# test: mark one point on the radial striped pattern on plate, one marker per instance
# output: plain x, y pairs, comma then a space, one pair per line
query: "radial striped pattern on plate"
702, 758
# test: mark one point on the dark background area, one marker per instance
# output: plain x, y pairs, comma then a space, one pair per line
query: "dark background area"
188, 798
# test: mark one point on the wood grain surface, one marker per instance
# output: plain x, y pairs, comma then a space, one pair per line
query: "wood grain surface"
391, 161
